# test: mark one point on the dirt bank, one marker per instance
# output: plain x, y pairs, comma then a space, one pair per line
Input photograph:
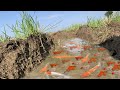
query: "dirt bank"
107, 37
100, 34
19, 57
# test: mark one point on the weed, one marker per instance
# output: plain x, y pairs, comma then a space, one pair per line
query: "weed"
4, 37
26, 27
95, 22
73, 27
116, 17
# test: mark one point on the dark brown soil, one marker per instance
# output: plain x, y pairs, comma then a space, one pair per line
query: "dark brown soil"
99, 35
63, 34
113, 46
85, 33
114, 24
19, 57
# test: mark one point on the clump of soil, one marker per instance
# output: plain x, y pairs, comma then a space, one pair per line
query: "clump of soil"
63, 35
84, 33
19, 57
99, 35
114, 24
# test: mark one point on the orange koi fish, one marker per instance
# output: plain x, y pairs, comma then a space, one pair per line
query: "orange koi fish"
116, 67
48, 72
110, 62
72, 43
60, 57
64, 61
44, 69
118, 62
74, 47
53, 65
57, 52
86, 74
86, 47
85, 58
101, 49
102, 73
78, 57
71, 68
92, 60
96, 54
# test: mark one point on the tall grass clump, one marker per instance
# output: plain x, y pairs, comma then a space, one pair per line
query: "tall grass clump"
112, 17
91, 22
26, 27
73, 27
116, 17
4, 37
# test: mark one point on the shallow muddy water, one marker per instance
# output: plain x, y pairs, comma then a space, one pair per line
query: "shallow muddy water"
75, 42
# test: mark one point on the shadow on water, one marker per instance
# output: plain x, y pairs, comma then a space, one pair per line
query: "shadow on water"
113, 46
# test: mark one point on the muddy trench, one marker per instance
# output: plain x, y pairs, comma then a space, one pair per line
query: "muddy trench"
19, 57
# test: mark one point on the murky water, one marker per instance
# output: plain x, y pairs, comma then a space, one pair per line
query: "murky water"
75, 42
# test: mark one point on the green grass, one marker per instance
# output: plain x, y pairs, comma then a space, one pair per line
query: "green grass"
97, 23
91, 22
116, 17
4, 37
23, 29
26, 27
73, 27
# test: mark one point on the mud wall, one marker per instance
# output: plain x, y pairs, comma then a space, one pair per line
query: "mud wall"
113, 46
107, 37
19, 57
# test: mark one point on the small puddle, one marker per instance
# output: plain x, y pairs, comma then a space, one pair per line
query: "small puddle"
75, 46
